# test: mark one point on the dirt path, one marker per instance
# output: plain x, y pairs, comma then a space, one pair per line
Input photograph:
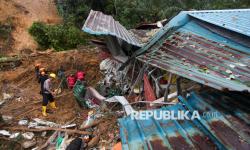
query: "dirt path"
23, 13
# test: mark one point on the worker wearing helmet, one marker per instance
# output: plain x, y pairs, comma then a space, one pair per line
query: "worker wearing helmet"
48, 94
37, 68
42, 78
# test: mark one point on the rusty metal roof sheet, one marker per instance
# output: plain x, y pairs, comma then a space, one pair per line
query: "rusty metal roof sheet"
100, 24
195, 51
237, 20
225, 130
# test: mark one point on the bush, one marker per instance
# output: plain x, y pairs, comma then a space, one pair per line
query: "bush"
59, 37
39, 31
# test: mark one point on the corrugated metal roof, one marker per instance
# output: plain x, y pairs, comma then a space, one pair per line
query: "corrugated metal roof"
207, 133
100, 24
200, 54
237, 20
162, 134
231, 128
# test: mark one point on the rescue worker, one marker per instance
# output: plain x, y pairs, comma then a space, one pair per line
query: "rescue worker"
62, 77
42, 77
48, 94
37, 70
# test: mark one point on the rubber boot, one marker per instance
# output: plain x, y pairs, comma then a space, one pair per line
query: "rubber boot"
44, 111
53, 105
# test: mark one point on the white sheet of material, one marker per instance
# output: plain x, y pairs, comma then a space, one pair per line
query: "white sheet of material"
123, 101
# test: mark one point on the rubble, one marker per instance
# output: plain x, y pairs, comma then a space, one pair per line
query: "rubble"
14, 135
28, 135
29, 144
5, 133
23, 122
7, 118
44, 134
5, 98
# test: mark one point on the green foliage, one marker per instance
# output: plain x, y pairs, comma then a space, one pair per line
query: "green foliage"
59, 37
39, 31
134, 12
74, 11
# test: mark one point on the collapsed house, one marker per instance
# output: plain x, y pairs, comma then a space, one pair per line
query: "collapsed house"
210, 48
120, 41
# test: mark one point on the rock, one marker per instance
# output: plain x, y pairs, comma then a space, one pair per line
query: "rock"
46, 123
28, 144
14, 135
7, 96
23, 122
28, 135
2, 102
5, 133
19, 99
7, 118
44, 134
33, 124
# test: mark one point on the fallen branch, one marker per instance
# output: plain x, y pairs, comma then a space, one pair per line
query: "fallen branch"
25, 81
96, 122
71, 121
26, 112
49, 129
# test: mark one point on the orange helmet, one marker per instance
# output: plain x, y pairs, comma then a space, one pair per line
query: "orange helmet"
42, 69
38, 65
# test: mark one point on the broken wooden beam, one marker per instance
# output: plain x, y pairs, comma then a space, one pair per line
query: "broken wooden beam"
70, 131
167, 88
178, 86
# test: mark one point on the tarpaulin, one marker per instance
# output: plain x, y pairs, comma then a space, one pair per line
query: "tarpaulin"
149, 92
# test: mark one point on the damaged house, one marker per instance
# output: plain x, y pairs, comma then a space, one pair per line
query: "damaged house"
211, 48
207, 48
121, 42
